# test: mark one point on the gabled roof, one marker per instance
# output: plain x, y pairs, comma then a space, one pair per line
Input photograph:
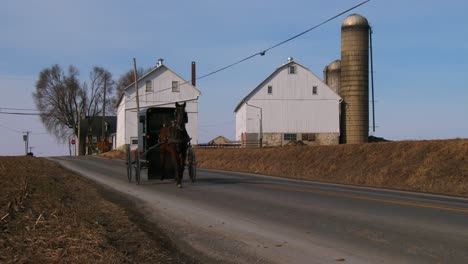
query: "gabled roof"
219, 140
157, 68
254, 91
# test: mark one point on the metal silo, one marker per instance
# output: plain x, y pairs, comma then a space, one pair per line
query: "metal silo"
355, 79
332, 75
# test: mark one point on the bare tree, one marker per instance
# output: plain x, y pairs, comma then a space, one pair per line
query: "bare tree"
59, 98
94, 91
123, 82
128, 78
62, 100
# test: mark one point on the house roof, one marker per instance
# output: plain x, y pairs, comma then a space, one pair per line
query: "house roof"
96, 124
157, 68
219, 140
254, 91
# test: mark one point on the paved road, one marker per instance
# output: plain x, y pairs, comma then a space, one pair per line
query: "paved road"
245, 218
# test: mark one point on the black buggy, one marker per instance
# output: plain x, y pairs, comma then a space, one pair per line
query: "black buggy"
160, 129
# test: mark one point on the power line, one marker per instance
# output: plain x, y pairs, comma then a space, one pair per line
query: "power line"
37, 134
18, 113
232, 64
11, 129
314, 27
19, 109
21, 132
27, 114
261, 53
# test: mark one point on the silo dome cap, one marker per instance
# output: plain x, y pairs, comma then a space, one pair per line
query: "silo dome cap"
355, 20
334, 65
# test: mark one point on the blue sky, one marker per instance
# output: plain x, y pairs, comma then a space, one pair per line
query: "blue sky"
420, 55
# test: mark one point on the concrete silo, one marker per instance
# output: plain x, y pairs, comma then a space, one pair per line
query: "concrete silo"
332, 76
355, 79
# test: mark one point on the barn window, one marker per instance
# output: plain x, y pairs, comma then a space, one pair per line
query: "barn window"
134, 141
292, 69
270, 89
308, 137
149, 86
314, 90
290, 137
175, 86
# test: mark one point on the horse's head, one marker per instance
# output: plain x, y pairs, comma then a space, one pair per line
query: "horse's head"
180, 114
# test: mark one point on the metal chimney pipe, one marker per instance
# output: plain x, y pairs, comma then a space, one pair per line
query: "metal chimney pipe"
160, 62
194, 73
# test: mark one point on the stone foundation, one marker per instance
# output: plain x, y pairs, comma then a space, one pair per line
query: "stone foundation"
313, 139
272, 139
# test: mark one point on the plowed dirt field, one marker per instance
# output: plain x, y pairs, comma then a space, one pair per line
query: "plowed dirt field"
50, 215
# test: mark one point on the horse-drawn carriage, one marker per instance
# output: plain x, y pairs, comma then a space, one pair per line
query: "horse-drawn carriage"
164, 146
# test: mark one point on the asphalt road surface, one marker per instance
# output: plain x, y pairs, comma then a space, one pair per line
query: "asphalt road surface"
244, 218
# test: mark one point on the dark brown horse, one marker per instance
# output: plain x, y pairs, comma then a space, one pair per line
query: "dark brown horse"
174, 141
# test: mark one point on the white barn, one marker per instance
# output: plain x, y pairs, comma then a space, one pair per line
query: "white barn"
291, 104
160, 87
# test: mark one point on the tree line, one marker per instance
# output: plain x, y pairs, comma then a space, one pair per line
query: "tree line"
63, 100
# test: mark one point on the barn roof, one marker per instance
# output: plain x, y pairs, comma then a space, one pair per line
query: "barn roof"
157, 68
254, 91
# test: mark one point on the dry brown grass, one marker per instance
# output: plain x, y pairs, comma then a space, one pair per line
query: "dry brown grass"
436, 166
114, 154
52, 216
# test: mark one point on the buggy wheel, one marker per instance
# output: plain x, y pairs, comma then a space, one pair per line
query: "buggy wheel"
192, 169
192, 173
137, 166
129, 163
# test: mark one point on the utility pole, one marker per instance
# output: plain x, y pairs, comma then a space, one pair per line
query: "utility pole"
103, 122
136, 86
26, 142
137, 97
78, 141
74, 145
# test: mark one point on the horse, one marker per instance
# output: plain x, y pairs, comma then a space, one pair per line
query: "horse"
174, 141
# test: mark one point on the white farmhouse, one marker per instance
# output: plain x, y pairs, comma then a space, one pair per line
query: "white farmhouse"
291, 104
160, 87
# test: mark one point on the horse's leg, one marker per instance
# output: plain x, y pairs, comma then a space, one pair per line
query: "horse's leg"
182, 157
175, 160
